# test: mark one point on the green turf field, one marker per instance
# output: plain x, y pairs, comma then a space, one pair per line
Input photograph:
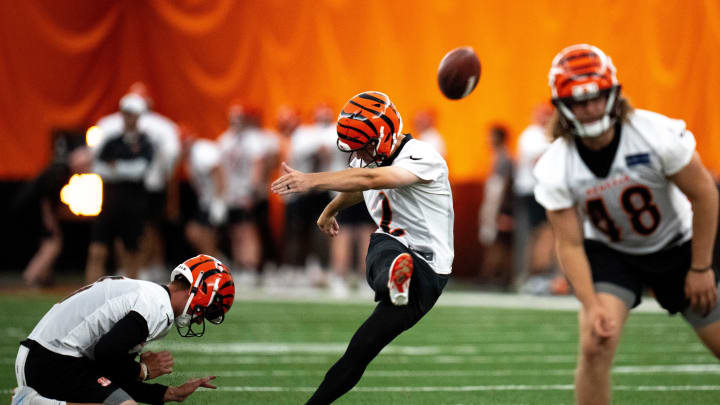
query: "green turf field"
277, 353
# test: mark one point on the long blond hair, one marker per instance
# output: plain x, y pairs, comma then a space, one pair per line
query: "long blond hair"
559, 127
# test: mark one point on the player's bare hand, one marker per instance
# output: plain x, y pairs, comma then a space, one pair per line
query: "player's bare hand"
603, 326
179, 393
701, 290
328, 224
158, 364
291, 181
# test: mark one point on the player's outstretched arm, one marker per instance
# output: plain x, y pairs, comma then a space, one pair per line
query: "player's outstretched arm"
353, 179
181, 392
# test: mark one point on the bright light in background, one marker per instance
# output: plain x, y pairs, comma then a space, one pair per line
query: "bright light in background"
83, 194
93, 136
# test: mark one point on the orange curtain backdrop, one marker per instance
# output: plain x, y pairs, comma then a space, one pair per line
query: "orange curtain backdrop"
65, 64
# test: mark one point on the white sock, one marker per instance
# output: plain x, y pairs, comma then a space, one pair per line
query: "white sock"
40, 400
31, 397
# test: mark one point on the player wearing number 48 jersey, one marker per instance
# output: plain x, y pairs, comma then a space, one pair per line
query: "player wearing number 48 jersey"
404, 183
648, 208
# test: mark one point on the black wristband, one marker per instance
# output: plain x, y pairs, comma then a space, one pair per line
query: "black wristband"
701, 269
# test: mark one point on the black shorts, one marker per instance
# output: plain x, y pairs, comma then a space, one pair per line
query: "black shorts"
425, 285
355, 215
625, 275
67, 378
302, 212
239, 215
156, 202
202, 217
535, 211
123, 215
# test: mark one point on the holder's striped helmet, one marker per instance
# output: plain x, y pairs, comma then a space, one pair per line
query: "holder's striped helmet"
369, 118
212, 292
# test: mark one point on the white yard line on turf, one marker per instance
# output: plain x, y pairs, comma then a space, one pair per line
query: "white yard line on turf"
499, 359
471, 388
466, 388
661, 369
448, 298
386, 374
482, 348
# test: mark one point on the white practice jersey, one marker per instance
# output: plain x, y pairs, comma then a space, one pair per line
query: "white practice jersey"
420, 215
308, 150
74, 326
532, 143
203, 158
243, 155
163, 135
635, 209
307, 142
434, 138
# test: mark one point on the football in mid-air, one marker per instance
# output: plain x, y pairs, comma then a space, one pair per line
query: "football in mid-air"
459, 72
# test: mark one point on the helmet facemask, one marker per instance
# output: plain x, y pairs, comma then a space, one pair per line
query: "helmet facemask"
595, 128
191, 316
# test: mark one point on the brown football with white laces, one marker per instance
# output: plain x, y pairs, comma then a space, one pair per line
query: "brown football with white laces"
459, 73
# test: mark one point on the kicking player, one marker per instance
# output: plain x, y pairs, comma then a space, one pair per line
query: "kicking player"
83, 350
404, 183
648, 206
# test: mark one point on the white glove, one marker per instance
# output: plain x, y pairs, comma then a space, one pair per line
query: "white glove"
217, 212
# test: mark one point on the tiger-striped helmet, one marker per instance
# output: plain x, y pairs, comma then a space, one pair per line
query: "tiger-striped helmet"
369, 118
212, 292
579, 73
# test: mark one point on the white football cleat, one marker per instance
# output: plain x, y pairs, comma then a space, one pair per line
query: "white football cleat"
399, 279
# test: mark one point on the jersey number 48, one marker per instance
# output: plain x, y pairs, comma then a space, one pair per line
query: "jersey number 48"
637, 202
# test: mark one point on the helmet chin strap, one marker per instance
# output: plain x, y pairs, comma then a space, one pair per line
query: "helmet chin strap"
593, 129
184, 319
379, 159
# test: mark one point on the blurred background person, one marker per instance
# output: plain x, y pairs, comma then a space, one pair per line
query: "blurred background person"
159, 179
496, 211
261, 209
349, 247
305, 248
122, 161
243, 147
42, 196
207, 177
534, 258
164, 136
425, 129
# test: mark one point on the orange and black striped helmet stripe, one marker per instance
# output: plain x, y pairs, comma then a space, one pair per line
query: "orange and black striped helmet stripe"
367, 117
578, 65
